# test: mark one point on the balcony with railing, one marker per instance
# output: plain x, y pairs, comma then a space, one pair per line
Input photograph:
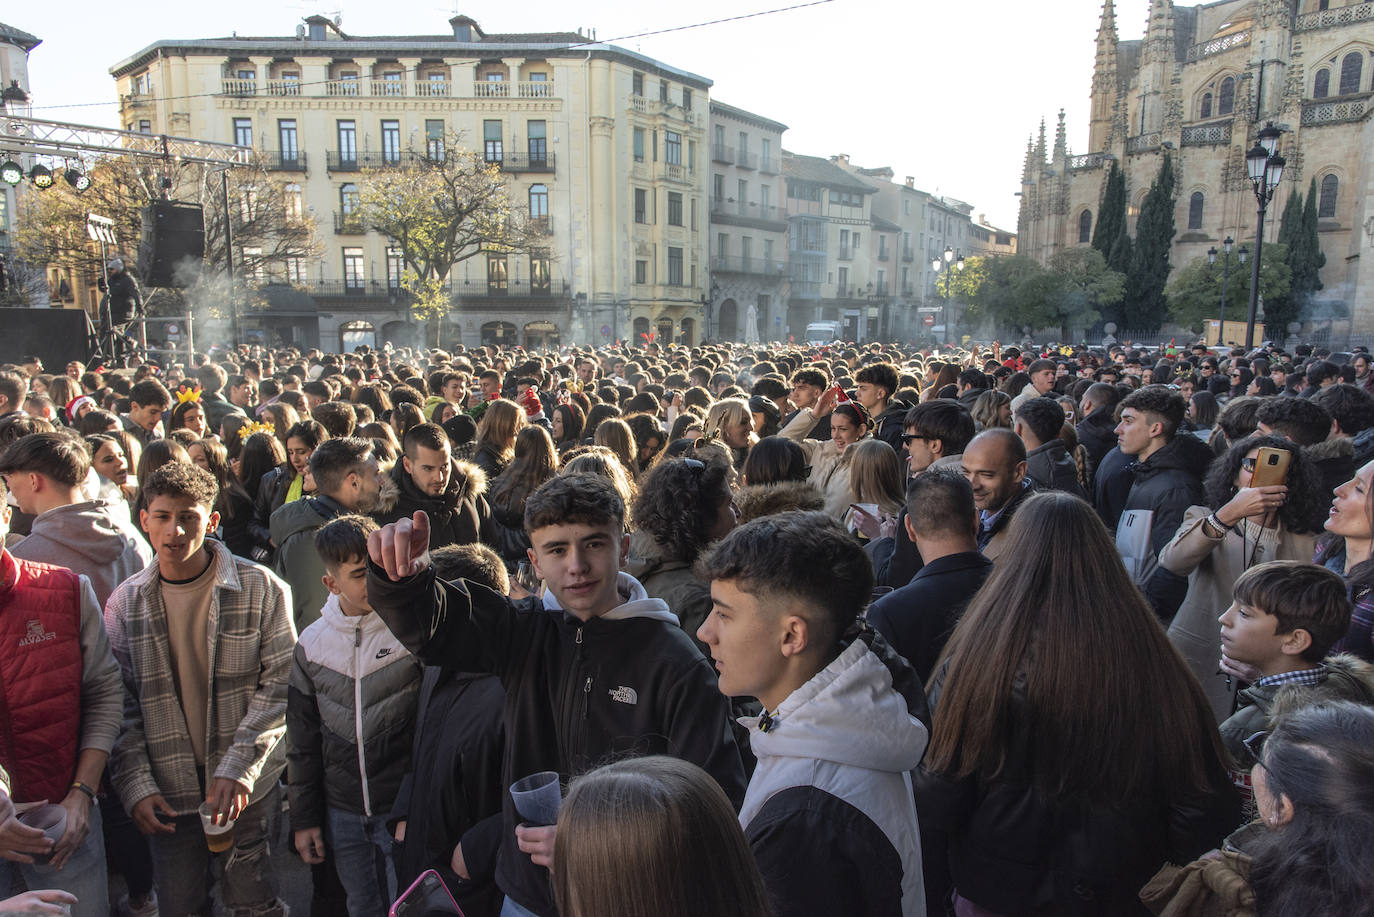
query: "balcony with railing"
349, 224
283, 87
350, 161
846, 253
283, 160
729, 210
882, 254
1144, 143
509, 89
647, 106
1218, 132
468, 290
1219, 45
759, 267
526, 162
1335, 111
806, 289
676, 172
239, 88
137, 99
722, 153
1325, 19
433, 89
769, 165
349, 289
745, 160
1087, 161
908, 255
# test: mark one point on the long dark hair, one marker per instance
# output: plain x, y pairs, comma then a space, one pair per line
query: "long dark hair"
535, 462
261, 453
1305, 509
1321, 758
1061, 645
573, 419
217, 463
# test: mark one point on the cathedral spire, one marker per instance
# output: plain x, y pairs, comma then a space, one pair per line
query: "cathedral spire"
1028, 170
1106, 28
1159, 32
1061, 145
1040, 147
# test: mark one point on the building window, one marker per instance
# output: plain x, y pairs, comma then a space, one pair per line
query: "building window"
882, 248
641, 272
718, 188
674, 266
348, 144
692, 206
539, 202
395, 267
637, 84
537, 136
252, 265
353, 268
287, 139
1321, 85
491, 140
294, 269
674, 208
391, 142
1326, 202
498, 280
1352, 66
663, 90
766, 154
1085, 227
348, 199
641, 206
541, 275
743, 151
293, 201
686, 98
672, 148
243, 131
434, 140
1195, 210
639, 144
722, 245
1206, 110
1226, 98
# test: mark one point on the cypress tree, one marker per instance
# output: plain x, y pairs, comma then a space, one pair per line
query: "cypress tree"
1280, 310
1111, 215
1146, 306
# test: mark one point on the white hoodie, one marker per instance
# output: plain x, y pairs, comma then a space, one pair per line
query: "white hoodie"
849, 733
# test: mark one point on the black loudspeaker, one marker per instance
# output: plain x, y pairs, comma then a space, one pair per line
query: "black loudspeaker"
173, 244
56, 336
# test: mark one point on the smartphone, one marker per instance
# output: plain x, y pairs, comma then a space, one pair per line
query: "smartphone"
1271, 467
428, 896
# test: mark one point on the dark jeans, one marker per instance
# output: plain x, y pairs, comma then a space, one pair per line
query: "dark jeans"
125, 847
247, 885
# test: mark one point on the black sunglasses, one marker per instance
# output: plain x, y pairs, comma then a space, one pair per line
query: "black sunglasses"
908, 437
1254, 743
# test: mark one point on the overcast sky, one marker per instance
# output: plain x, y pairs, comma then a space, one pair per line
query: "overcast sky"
946, 92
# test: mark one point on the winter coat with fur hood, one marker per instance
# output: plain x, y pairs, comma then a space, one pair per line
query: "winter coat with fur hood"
758, 500
459, 515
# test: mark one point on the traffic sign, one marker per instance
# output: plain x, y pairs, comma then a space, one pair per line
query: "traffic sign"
928, 320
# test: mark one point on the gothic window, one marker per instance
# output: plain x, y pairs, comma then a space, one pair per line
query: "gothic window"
1321, 86
1206, 111
1326, 203
1195, 210
1226, 97
1352, 66
1085, 227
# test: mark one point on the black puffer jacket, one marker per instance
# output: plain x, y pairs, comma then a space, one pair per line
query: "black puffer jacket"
1012, 849
1165, 485
460, 515
891, 423
270, 496
1097, 434
1052, 468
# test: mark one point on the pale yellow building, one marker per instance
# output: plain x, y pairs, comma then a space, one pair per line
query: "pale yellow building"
607, 145
1201, 84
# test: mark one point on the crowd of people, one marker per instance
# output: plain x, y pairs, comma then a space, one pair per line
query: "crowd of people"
796, 631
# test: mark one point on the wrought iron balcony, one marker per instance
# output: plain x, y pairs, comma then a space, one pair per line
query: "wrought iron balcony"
283, 160
508, 289
762, 267
722, 153
348, 224
908, 255
351, 161
525, 162
745, 160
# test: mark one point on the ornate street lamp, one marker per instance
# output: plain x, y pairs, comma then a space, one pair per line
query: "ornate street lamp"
1264, 166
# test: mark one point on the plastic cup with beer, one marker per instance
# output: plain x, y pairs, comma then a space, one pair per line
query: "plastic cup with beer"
218, 838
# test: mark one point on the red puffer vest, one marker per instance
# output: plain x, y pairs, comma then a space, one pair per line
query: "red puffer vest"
40, 677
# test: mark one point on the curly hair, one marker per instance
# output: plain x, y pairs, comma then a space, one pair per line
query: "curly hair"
1305, 509
678, 504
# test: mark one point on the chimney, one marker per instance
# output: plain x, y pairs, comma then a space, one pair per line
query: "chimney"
911, 181
842, 159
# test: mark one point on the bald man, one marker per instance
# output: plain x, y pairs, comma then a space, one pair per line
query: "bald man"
995, 465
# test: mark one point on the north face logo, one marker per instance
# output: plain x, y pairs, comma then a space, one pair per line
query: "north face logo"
624, 695
36, 634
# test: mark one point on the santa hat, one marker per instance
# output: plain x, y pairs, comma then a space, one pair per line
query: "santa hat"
77, 403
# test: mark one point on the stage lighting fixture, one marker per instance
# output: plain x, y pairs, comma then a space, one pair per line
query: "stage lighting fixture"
11, 172
41, 176
78, 179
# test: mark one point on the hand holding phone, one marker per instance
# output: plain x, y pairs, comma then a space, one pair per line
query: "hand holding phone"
428, 896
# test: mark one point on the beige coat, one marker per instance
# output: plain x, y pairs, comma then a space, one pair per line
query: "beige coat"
1212, 567
829, 466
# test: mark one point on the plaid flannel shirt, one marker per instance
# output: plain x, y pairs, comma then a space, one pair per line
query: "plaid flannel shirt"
251, 638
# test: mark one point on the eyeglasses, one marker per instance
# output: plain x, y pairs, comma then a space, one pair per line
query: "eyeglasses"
1248, 463
1254, 744
908, 437
1235, 375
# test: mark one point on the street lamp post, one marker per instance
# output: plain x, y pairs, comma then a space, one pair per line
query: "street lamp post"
1265, 168
947, 262
1225, 276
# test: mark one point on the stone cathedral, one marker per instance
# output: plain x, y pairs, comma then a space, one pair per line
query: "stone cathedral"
1200, 85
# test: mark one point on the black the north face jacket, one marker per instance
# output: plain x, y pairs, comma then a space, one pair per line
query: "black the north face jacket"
578, 693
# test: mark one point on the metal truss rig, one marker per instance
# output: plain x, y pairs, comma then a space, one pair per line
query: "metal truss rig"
55, 138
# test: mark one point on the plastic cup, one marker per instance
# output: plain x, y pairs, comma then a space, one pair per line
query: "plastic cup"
538, 798
218, 838
52, 821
